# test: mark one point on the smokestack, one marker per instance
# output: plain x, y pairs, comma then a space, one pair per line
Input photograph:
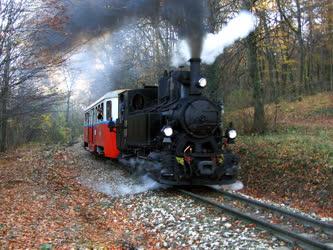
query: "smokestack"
195, 76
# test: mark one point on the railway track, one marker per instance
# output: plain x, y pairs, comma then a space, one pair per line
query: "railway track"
306, 241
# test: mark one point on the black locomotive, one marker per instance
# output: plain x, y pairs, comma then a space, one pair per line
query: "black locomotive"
174, 133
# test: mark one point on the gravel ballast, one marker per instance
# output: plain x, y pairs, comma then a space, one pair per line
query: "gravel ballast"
177, 220
182, 222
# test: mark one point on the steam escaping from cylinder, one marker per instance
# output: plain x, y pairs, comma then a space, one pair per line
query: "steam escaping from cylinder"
144, 184
214, 44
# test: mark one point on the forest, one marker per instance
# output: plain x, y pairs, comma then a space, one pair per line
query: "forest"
268, 65
44, 87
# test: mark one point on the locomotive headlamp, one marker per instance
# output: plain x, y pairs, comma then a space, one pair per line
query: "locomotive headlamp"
168, 131
203, 82
232, 134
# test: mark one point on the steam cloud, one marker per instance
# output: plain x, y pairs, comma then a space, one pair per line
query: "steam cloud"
88, 19
214, 44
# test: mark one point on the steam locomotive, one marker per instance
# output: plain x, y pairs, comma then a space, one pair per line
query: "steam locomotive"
172, 131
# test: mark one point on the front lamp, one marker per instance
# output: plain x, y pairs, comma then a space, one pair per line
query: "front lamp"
167, 131
232, 134
203, 82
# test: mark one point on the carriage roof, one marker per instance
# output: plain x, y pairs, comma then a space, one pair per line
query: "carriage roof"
109, 95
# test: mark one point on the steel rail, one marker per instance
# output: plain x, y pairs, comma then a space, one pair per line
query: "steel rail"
277, 230
300, 217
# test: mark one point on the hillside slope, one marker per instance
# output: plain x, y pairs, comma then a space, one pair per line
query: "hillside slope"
293, 164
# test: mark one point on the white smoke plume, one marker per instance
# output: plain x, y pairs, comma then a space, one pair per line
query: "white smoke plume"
214, 44
238, 28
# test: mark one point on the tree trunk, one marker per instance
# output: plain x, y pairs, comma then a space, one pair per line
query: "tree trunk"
3, 122
330, 42
299, 35
69, 94
253, 69
4, 101
258, 93
310, 48
271, 61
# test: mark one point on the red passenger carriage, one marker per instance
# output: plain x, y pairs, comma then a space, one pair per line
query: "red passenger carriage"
98, 137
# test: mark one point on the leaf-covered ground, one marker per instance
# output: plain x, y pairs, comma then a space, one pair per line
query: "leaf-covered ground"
294, 164
43, 206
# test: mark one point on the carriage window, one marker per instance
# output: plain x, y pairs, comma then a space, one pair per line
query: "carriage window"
99, 113
109, 110
86, 119
91, 117
96, 115
102, 110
